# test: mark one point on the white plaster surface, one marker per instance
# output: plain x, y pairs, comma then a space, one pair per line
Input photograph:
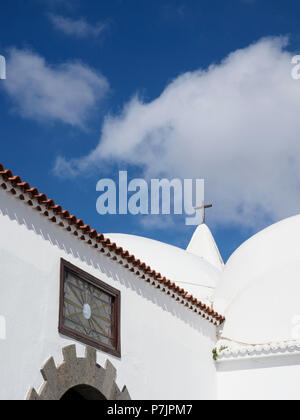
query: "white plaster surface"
274, 378
260, 288
166, 348
191, 272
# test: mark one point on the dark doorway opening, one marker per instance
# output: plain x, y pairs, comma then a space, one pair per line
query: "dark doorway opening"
83, 393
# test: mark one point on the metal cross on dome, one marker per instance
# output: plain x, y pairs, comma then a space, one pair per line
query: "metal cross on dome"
203, 208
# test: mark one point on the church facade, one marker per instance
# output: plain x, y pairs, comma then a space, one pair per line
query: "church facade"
90, 316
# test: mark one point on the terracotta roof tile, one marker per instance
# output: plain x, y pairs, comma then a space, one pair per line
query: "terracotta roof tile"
178, 293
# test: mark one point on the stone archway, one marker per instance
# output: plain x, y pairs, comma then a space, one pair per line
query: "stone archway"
81, 375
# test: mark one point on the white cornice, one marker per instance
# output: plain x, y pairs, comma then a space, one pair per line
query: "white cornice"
233, 351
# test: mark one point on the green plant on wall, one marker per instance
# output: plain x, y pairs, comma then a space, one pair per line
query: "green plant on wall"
216, 353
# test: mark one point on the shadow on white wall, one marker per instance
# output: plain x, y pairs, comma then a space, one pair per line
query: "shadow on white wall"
57, 236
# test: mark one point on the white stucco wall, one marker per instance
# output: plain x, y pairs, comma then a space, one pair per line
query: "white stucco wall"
166, 349
271, 378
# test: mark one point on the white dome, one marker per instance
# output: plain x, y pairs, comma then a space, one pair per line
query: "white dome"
260, 289
192, 273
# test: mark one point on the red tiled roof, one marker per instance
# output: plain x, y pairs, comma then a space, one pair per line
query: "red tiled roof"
56, 214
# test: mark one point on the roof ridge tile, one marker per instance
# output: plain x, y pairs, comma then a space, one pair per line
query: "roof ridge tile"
57, 209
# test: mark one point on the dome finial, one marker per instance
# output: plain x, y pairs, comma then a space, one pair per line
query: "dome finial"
203, 245
203, 208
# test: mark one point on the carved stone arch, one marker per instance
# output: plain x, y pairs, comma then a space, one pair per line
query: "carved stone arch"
75, 371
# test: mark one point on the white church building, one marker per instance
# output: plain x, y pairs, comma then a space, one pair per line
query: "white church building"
87, 316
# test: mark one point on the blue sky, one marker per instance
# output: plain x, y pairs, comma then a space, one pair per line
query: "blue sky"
71, 64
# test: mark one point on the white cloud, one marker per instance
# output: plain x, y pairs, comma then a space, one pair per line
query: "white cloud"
66, 92
77, 27
235, 124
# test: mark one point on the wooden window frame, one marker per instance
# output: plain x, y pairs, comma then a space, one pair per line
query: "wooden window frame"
114, 293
